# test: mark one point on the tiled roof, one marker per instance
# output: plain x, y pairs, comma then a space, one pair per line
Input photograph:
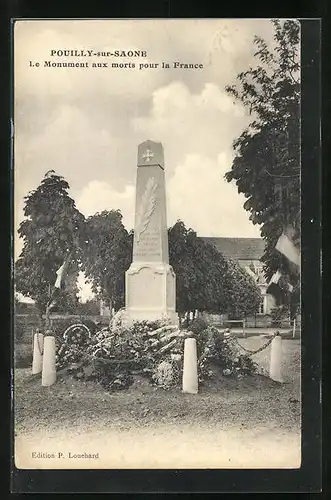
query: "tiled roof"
238, 248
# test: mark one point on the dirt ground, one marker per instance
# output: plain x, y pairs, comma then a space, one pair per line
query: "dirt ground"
251, 423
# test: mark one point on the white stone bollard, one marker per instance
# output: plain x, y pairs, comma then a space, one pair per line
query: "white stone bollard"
37, 360
49, 370
276, 354
190, 369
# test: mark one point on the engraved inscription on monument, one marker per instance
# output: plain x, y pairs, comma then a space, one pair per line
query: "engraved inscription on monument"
149, 244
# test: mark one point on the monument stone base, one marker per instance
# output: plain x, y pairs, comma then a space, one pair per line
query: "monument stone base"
150, 292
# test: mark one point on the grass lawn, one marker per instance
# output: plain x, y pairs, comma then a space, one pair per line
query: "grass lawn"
225, 425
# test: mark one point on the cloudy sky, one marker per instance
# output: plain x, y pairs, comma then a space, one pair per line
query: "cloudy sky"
86, 123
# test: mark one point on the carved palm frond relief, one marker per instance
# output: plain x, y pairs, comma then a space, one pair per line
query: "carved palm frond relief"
146, 208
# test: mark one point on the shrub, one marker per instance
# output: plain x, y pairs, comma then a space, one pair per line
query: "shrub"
91, 325
111, 374
218, 355
18, 332
198, 325
280, 314
23, 356
89, 308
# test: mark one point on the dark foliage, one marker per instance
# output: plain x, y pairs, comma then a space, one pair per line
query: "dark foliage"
266, 167
53, 228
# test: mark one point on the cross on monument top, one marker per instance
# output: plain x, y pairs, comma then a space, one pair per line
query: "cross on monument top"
148, 155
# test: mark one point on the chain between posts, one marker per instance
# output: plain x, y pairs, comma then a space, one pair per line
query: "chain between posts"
235, 341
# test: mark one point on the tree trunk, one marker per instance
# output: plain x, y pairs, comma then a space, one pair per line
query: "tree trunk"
48, 308
41, 319
48, 319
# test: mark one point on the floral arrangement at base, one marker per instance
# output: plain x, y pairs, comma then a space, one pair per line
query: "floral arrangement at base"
152, 349
168, 373
218, 355
113, 355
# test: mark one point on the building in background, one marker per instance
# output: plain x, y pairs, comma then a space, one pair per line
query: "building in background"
247, 252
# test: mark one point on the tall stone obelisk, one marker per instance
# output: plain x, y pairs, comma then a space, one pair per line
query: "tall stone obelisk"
150, 281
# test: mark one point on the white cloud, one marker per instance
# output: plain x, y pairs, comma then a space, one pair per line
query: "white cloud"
68, 143
202, 123
199, 195
98, 196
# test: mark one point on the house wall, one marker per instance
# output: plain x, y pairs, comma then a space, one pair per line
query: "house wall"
268, 301
240, 248
258, 267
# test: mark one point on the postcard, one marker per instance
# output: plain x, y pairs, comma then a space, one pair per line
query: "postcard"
157, 266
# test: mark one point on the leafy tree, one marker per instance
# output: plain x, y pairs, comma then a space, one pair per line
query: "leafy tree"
52, 229
266, 166
241, 289
181, 259
89, 308
107, 255
205, 280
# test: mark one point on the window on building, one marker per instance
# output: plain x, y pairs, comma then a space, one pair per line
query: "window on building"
261, 310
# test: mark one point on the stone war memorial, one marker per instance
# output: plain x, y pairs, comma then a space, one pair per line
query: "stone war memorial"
150, 281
